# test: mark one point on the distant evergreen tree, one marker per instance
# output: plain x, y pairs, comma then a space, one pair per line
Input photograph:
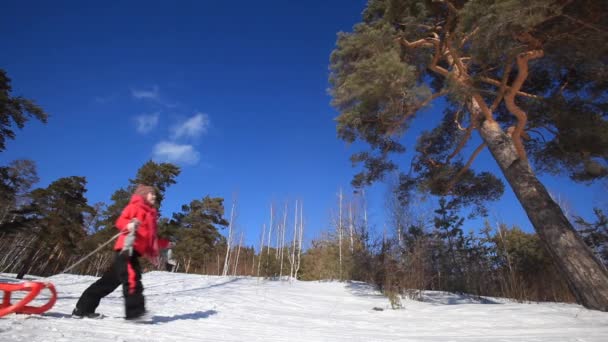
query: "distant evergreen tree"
196, 230
595, 234
450, 247
16, 180
59, 226
320, 261
158, 175
526, 270
14, 110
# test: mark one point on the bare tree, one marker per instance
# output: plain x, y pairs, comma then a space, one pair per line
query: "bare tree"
301, 233
295, 236
269, 230
283, 229
261, 248
229, 242
238, 253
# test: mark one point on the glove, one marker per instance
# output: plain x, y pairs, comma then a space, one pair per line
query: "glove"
133, 225
127, 247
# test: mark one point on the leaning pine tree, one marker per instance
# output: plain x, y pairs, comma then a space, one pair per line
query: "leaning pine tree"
529, 77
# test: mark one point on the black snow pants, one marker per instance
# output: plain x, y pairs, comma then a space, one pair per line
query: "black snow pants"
125, 271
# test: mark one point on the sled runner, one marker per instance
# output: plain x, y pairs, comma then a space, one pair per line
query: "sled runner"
34, 288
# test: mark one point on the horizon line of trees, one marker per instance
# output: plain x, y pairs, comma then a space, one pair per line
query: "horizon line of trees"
506, 84
45, 230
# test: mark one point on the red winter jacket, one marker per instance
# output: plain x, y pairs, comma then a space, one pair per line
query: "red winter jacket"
146, 242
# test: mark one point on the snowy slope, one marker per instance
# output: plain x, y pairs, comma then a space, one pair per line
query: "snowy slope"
209, 308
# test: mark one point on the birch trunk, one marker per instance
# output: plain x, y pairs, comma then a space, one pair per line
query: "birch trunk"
283, 240
261, 248
269, 232
228, 243
300, 240
238, 253
295, 234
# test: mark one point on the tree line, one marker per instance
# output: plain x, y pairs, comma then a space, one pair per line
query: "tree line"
432, 249
509, 85
45, 230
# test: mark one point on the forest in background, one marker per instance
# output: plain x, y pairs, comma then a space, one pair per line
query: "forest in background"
45, 230
536, 106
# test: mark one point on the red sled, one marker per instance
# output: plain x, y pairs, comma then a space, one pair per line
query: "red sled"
21, 307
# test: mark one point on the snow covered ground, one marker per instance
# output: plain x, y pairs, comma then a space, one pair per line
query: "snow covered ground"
209, 308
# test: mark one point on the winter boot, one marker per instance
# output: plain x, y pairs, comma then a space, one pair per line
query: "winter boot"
77, 313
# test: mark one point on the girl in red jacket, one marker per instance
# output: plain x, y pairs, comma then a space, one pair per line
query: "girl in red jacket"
138, 224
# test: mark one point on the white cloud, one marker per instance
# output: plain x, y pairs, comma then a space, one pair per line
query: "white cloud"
150, 94
146, 122
175, 153
192, 127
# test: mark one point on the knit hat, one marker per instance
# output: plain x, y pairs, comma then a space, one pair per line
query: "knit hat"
143, 190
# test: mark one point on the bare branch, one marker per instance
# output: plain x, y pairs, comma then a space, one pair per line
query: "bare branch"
522, 118
452, 55
425, 42
428, 27
433, 65
414, 109
466, 166
468, 36
462, 143
460, 128
582, 23
503, 85
497, 83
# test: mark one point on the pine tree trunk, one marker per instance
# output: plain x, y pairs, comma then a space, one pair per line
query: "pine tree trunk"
585, 276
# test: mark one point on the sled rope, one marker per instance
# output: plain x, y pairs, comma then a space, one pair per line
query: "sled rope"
93, 252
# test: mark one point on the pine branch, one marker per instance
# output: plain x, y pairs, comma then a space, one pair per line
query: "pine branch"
503, 85
413, 110
522, 117
462, 143
466, 166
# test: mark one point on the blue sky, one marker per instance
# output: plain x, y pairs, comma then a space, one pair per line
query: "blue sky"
233, 92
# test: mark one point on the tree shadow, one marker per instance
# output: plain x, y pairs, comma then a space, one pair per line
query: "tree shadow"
118, 292
56, 315
361, 289
188, 316
192, 290
154, 319
449, 298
